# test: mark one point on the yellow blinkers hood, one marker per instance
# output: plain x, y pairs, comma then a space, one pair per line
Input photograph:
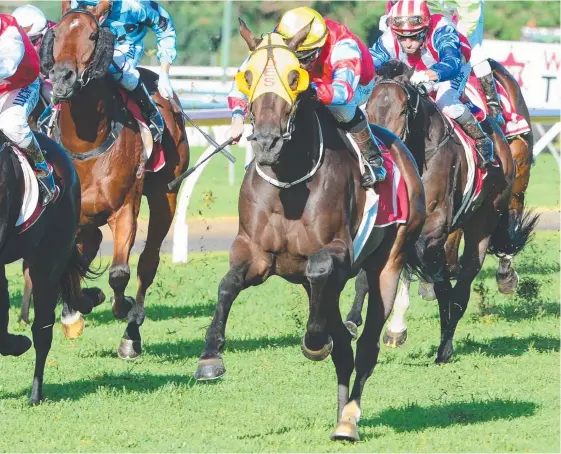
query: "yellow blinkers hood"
270, 65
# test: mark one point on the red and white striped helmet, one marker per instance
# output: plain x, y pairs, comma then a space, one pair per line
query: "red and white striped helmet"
409, 17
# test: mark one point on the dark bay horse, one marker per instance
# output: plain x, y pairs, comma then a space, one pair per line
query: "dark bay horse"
521, 147
107, 150
299, 209
56, 263
487, 226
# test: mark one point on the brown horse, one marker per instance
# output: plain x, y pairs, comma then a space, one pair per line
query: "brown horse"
300, 205
486, 224
107, 149
56, 263
521, 147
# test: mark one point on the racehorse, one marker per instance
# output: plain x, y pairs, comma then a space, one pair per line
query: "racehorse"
521, 147
56, 263
107, 148
486, 223
300, 205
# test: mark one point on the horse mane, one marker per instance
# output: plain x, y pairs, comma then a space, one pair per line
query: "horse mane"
394, 70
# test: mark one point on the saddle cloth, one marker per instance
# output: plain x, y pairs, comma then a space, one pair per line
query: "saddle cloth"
385, 205
153, 152
31, 209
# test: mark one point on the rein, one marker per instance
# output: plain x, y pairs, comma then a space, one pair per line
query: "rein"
283, 185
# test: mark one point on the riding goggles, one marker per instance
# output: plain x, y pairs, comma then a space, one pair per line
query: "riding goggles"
403, 21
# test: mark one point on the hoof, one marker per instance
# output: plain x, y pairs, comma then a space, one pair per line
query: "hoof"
395, 340
210, 369
120, 312
507, 283
15, 345
444, 355
353, 329
345, 431
319, 355
96, 295
73, 326
426, 291
129, 349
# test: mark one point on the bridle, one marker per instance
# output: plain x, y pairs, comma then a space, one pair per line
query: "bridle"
84, 78
287, 134
411, 112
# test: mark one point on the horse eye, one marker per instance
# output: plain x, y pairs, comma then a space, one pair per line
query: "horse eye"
248, 78
94, 36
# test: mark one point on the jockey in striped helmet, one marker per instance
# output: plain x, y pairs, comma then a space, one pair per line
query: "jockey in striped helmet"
431, 45
342, 74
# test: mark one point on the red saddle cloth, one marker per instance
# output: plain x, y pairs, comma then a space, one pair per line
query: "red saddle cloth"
157, 159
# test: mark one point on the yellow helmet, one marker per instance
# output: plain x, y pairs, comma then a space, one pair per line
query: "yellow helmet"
296, 19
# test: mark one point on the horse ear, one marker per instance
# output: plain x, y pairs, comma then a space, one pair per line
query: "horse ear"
103, 54
247, 35
65, 6
46, 52
294, 42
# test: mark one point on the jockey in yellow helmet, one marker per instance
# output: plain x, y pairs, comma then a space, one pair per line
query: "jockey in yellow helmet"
342, 73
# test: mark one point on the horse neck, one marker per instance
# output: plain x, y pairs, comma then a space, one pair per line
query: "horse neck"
299, 154
428, 126
85, 121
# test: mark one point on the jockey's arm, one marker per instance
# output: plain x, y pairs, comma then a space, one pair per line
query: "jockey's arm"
346, 63
237, 101
447, 44
12, 53
379, 53
159, 20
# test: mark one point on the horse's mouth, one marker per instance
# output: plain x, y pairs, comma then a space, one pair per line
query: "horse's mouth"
62, 98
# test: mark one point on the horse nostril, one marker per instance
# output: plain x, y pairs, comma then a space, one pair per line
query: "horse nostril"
69, 75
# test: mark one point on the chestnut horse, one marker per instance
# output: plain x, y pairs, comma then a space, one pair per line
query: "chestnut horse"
56, 263
107, 149
299, 209
487, 226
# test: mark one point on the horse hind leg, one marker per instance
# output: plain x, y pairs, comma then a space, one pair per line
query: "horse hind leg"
396, 330
354, 317
26, 299
162, 209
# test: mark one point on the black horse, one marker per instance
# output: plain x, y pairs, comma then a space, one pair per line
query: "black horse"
55, 263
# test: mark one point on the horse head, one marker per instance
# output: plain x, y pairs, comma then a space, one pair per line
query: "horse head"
75, 52
273, 83
392, 98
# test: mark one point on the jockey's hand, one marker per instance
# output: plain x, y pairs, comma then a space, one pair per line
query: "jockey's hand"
236, 130
433, 77
419, 77
322, 90
164, 86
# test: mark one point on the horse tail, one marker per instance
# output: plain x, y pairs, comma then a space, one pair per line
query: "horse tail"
77, 269
513, 233
418, 266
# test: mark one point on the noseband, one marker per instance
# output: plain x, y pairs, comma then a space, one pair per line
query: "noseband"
84, 78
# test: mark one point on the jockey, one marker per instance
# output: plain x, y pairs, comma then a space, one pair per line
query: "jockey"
19, 93
129, 21
467, 16
342, 74
431, 45
35, 24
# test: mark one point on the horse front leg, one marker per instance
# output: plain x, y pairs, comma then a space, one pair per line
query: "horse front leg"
10, 344
249, 265
123, 225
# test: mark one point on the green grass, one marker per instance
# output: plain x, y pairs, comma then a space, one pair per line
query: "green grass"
500, 393
214, 197
543, 190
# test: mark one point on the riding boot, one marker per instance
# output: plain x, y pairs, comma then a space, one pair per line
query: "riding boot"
43, 171
490, 89
362, 135
150, 111
483, 143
